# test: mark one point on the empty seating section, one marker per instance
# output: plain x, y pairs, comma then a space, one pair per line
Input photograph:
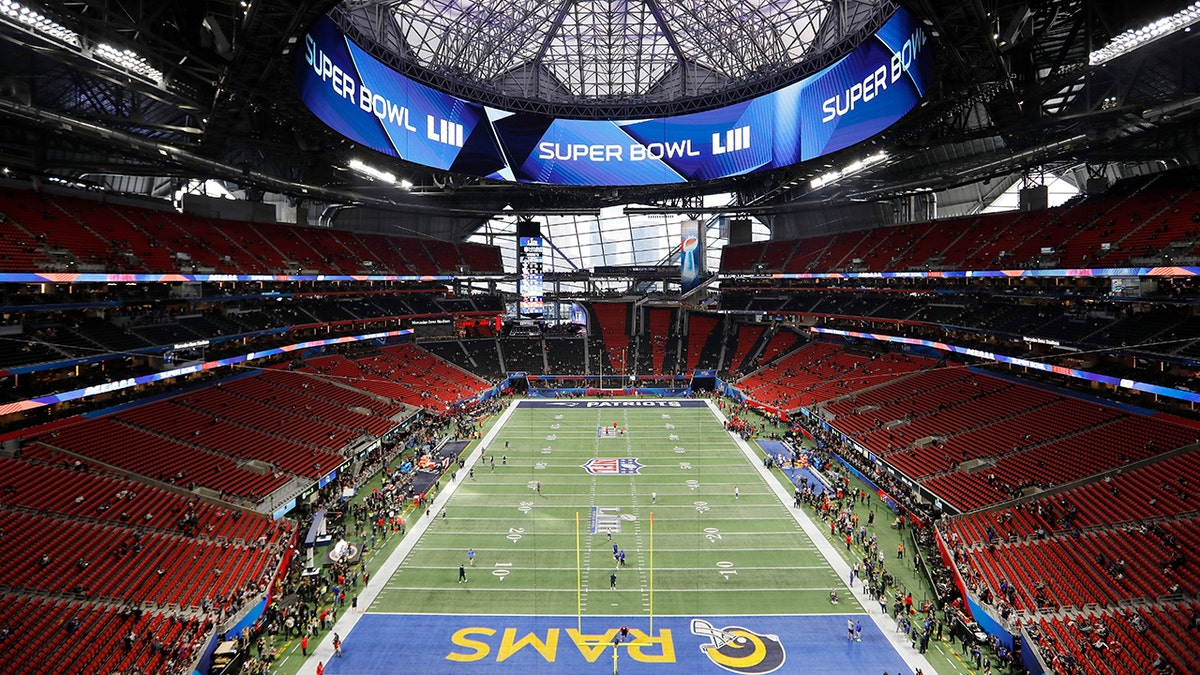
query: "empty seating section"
747, 338
523, 354
202, 241
888, 250
927, 422
440, 379
60, 488
1139, 228
1091, 450
122, 564
350, 417
443, 254
19, 251
1064, 440
775, 258
393, 258
161, 458
778, 383
315, 387
834, 253
349, 372
53, 229
185, 420
294, 249
923, 406
1154, 491
565, 355
485, 356
929, 252
1157, 490
141, 250
819, 372
780, 343
246, 411
659, 335
613, 319
742, 257
481, 258
45, 232
701, 352
337, 250
66, 637
403, 373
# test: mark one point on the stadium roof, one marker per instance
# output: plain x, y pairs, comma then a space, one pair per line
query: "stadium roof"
145, 97
607, 52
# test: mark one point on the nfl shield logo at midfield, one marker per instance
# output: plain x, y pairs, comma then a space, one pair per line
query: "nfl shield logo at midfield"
613, 466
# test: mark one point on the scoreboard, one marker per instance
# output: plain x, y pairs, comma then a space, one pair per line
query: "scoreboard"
529, 262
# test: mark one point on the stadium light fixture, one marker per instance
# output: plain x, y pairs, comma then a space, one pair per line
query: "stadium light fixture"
848, 170
1135, 38
372, 172
39, 22
125, 59
129, 60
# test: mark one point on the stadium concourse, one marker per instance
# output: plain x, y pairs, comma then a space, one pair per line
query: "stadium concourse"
422, 336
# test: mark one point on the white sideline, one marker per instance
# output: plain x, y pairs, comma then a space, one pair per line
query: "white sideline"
886, 624
416, 528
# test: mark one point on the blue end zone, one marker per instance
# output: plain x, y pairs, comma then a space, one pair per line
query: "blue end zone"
399, 644
613, 403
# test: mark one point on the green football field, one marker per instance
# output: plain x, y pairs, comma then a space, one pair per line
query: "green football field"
692, 546
720, 574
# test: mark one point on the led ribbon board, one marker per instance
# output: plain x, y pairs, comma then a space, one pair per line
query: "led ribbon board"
1123, 383
850, 101
128, 383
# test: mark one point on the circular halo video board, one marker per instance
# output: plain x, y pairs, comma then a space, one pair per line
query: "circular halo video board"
850, 101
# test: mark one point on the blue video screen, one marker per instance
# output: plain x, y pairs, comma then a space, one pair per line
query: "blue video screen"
850, 101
